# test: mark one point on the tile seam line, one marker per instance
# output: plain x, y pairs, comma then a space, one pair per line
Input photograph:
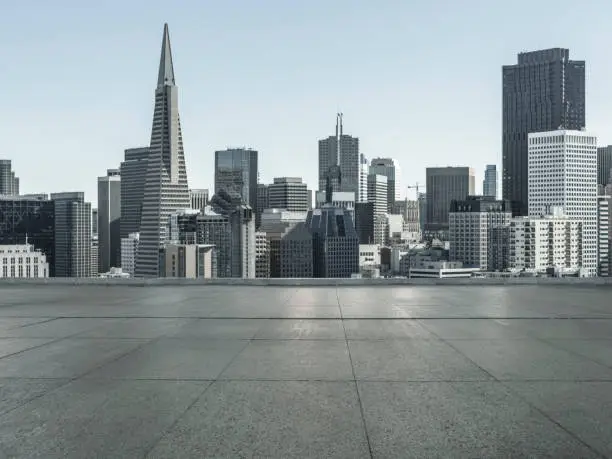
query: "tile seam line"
542, 413
361, 409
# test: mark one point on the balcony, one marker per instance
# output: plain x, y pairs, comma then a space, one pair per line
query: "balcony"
352, 371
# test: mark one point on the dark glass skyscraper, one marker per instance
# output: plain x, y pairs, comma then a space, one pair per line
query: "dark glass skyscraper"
236, 172
544, 91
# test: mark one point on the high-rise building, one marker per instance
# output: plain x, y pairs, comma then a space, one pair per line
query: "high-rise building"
94, 223
604, 224
129, 249
133, 172
539, 244
543, 92
364, 222
410, 211
22, 261
236, 173
470, 223
389, 168
342, 151
604, 165
489, 184
276, 223
296, 252
342, 199
498, 253
198, 198
563, 173
166, 188
377, 193
94, 256
262, 255
445, 184
29, 220
288, 193
263, 201
364, 171
9, 184
72, 235
109, 221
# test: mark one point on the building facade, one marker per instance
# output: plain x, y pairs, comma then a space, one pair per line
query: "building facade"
165, 188
489, 184
604, 225
236, 173
198, 198
133, 172
604, 165
94, 256
544, 91
187, 261
364, 222
470, 223
364, 171
296, 253
445, 184
563, 173
262, 255
276, 223
9, 183
390, 169
129, 250
22, 261
377, 193
109, 221
288, 193
28, 219
72, 235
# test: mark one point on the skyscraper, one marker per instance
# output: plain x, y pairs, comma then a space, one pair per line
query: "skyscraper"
389, 168
604, 165
109, 218
443, 185
9, 184
544, 91
165, 189
563, 174
72, 235
364, 171
342, 151
236, 173
377, 193
199, 198
133, 171
489, 184
288, 193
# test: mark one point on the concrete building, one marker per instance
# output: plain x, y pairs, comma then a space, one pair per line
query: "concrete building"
445, 184
334, 241
72, 235
236, 172
263, 201
604, 235
94, 222
394, 230
22, 261
550, 242
489, 184
364, 171
166, 188
297, 253
276, 223
343, 151
604, 165
9, 183
498, 253
377, 193
188, 261
262, 255
95, 263
133, 172
198, 198
471, 221
369, 255
563, 173
342, 199
129, 251
390, 169
29, 219
288, 193
109, 221
544, 91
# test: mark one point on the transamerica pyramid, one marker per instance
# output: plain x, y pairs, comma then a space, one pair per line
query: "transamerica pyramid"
165, 189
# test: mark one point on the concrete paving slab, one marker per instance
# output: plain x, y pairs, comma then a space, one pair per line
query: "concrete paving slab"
10, 346
302, 329
136, 328
385, 329
270, 419
57, 328
474, 328
460, 420
16, 392
220, 329
596, 350
292, 360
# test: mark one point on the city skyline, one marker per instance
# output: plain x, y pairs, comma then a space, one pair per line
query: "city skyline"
277, 128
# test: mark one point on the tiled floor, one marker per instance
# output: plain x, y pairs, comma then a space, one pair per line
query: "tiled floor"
349, 372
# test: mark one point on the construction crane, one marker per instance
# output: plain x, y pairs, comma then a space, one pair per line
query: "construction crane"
416, 186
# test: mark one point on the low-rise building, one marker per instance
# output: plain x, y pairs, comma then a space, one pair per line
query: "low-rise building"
22, 261
189, 261
129, 250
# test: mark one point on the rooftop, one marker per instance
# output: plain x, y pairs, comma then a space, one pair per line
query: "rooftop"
305, 371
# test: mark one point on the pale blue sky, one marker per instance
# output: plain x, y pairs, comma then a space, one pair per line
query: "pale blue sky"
419, 81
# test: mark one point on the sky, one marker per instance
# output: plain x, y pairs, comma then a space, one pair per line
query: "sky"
418, 81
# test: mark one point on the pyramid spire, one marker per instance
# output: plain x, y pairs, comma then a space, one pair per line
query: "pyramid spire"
166, 69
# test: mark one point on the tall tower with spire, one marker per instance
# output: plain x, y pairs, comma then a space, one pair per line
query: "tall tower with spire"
165, 189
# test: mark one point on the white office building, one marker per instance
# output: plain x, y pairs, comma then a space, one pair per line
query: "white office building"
22, 261
129, 250
262, 255
549, 242
603, 235
562, 172
364, 170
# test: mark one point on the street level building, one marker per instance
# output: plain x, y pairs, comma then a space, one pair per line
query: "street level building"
188, 261
129, 250
22, 261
